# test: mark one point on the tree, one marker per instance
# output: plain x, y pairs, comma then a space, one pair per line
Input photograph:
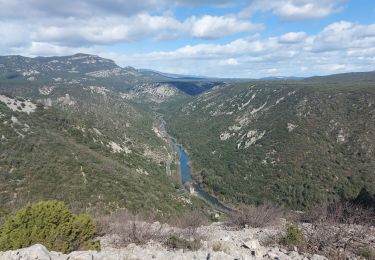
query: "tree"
49, 223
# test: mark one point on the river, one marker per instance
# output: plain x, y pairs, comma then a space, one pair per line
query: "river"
185, 172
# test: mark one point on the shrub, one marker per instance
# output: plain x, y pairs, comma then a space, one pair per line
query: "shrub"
294, 236
49, 223
338, 230
339, 213
127, 228
190, 222
261, 216
131, 228
367, 253
175, 242
219, 246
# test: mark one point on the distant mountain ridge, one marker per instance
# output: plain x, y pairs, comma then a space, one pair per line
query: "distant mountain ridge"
282, 78
351, 76
175, 76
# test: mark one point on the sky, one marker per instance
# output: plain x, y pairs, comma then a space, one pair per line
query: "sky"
218, 38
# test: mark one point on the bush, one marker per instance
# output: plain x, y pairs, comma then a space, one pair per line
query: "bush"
131, 228
338, 230
220, 246
366, 253
190, 222
256, 217
49, 223
126, 228
339, 213
294, 236
175, 242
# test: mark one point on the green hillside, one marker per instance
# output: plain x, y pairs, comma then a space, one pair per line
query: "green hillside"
296, 143
83, 130
75, 137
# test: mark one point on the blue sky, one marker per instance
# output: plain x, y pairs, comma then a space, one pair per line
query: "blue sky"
221, 38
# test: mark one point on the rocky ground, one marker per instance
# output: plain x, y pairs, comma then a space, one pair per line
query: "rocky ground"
218, 242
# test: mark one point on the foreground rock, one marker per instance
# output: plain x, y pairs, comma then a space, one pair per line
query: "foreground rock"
217, 243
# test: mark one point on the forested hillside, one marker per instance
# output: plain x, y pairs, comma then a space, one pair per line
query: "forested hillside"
71, 130
296, 143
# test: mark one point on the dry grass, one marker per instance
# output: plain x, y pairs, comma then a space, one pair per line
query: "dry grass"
189, 223
131, 228
338, 230
341, 212
140, 229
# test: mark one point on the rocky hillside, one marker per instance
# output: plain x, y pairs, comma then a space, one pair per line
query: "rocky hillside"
82, 129
296, 143
99, 74
70, 129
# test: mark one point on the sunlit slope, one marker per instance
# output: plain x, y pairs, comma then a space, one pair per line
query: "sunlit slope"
295, 143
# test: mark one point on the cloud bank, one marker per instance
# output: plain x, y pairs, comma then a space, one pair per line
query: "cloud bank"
212, 37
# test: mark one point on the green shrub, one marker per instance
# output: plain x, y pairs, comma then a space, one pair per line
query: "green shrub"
294, 236
49, 223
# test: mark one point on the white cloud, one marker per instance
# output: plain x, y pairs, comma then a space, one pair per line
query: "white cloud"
44, 27
49, 49
293, 37
336, 67
229, 61
271, 71
73, 8
13, 35
294, 53
344, 36
292, 10
97, 22
107, 30
93, 8
211, 27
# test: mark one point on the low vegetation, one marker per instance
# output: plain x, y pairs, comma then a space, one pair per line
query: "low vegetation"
176, 242
255, 216
220, 246
126, 228
338, 230
293, 237
49, 223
